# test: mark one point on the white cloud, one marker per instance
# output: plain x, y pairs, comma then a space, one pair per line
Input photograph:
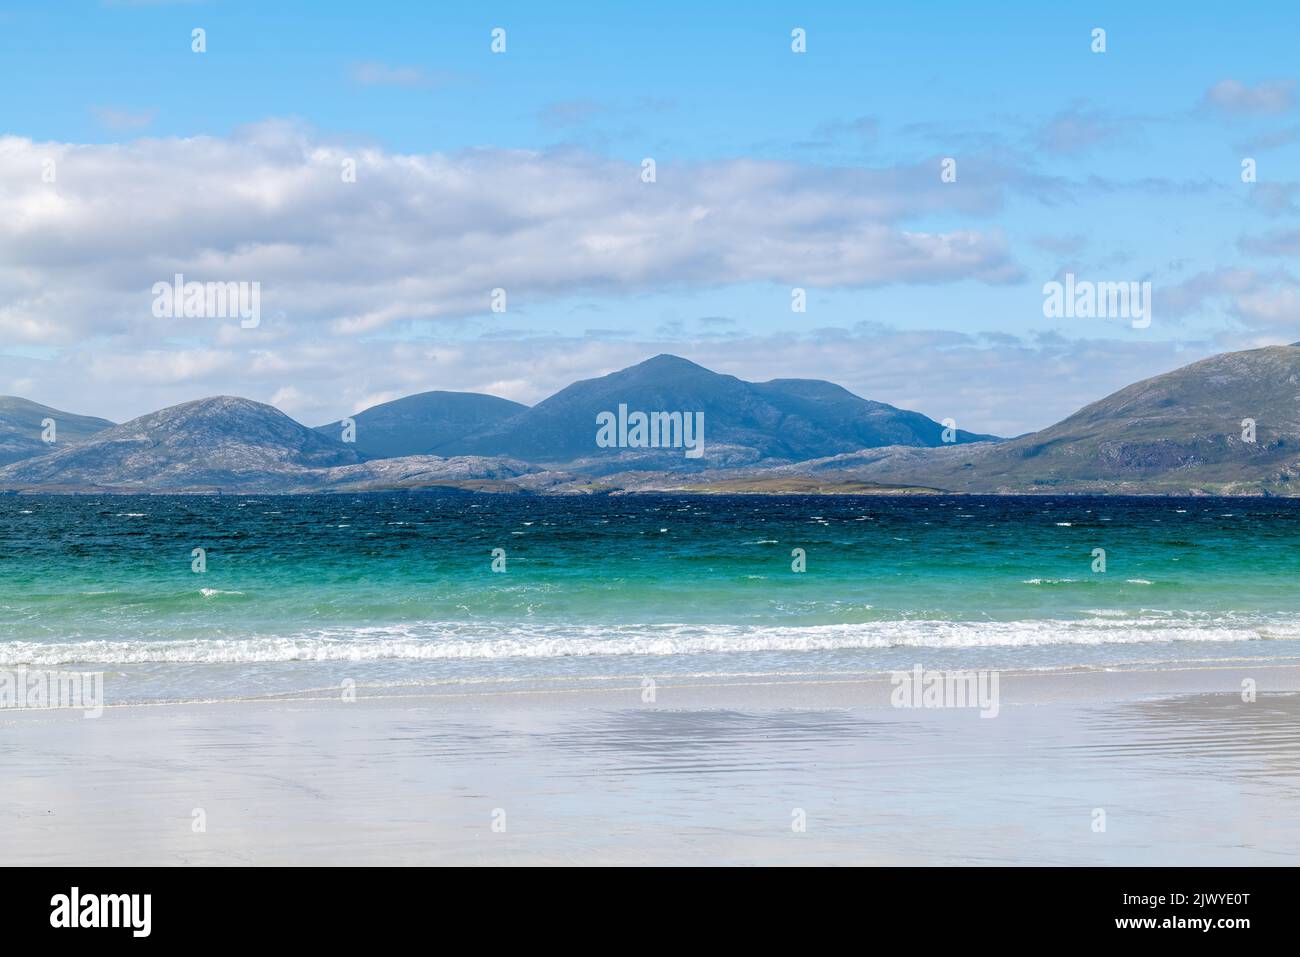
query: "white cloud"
374, 73
1267, 300
1275, 306
1078, 130
566, 113
429, 236
122, 120
1238, 98
1275, 243
344, 266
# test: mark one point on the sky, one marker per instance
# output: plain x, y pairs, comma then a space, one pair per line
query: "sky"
127, 157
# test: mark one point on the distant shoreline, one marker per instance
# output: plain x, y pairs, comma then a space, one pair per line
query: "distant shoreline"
614, 492
807, 437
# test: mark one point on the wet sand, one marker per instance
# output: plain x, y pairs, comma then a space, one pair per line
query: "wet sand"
711, 772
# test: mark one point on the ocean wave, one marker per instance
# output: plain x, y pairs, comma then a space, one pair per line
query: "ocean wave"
432, 641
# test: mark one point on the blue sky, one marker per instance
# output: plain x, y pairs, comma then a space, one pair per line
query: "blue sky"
1120, 166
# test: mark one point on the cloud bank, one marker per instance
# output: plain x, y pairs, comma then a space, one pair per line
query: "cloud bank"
429, 237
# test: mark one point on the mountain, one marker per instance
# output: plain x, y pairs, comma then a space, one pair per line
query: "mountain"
1176, 433
745, 423
21, 428
223, 443
1185, 423
420, 423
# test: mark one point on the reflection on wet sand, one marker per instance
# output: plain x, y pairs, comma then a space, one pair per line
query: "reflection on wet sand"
1183, 776
721, 741
1217, 733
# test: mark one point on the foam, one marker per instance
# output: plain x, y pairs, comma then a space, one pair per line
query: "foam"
431, 641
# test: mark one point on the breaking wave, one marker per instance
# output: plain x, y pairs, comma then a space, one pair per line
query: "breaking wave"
431, 641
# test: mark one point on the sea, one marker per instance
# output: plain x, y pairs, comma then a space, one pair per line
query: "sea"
199, 598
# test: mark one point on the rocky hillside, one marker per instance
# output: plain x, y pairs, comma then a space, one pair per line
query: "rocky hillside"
21, 428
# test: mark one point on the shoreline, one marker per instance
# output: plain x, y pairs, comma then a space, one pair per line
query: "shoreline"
871, 688
708, 772
614, 492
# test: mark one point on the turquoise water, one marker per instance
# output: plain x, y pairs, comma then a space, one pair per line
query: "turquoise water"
301, 592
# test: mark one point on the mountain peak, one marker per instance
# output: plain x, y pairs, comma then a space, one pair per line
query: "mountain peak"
665, 367
223, 402
666, 360
221, 441
745, 423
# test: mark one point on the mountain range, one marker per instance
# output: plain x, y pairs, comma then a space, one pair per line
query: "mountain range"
1177, 433
1185, 431
22, 424
230, 444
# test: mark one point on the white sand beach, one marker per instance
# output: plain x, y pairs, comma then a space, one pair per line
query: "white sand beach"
713, 771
